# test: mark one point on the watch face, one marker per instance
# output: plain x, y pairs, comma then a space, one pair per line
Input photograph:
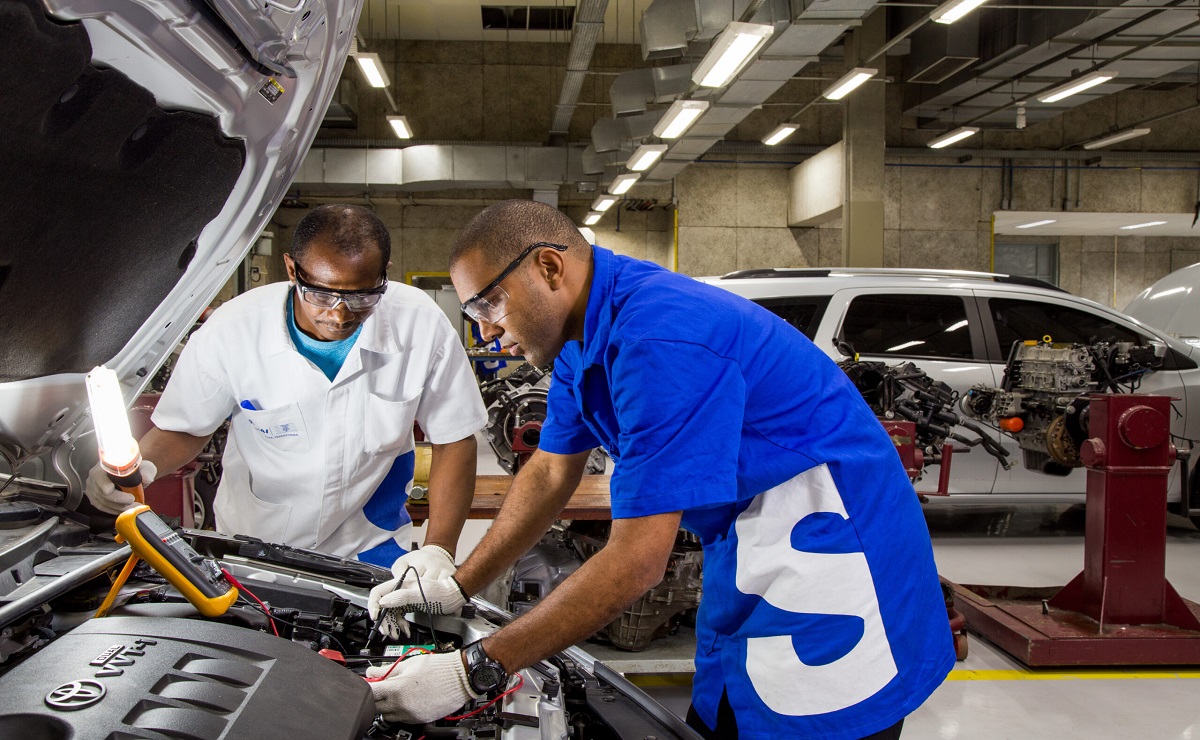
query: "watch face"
486, 678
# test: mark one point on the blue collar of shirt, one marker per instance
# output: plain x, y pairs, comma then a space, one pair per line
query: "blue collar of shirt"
598, 319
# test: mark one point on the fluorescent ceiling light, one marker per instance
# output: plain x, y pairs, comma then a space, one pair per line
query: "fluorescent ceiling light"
645, 156
1131, 227
1132, 133
780, 133
848, 82
1038, 223
622, 183
400, 126
1077, 85
906, 345
956, 325
953, 137
1172, 291
603, 203
592, 218
372, 68
952, 10
730, 52
679, 118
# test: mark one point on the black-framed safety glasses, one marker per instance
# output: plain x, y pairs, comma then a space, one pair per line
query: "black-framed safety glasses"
329, 298
491, 304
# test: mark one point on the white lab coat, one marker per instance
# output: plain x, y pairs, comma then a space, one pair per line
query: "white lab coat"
299, 469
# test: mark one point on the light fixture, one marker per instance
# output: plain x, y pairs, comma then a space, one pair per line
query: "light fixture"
1131, 227
119, 452
848, 82
952, 10
592, 218
372, 68
645, 156
622, 183
1038, 223
679, 118
400, 126
1077, 85
781, 132
953, 137
729, 53
603, 203
1132, 133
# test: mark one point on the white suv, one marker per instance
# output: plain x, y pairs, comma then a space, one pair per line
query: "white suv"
959, 327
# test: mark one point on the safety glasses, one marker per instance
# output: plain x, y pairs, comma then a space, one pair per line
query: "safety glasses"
491, 304
329, 298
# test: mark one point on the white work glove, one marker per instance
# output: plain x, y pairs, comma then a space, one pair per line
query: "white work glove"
430, 564
422, 688
105, 495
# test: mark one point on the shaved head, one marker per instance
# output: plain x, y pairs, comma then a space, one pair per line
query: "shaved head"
502, 230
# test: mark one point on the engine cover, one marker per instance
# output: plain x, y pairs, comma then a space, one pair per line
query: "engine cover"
124, 677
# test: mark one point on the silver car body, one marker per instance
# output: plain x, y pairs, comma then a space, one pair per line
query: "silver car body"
975, 474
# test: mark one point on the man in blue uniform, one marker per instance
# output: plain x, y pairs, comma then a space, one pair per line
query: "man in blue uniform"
821, 615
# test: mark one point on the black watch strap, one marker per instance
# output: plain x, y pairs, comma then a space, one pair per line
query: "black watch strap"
485, 675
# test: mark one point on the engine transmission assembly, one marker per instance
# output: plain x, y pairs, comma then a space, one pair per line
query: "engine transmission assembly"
1044, 397
516, 407
903, 397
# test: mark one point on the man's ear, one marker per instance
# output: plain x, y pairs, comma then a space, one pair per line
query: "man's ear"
290, 265
552, 267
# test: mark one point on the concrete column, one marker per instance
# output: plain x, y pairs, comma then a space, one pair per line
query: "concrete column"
862, 132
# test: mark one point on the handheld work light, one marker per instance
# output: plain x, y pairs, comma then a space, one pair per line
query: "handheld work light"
119, 453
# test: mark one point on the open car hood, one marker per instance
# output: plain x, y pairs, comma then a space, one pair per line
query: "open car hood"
145, 144
1172, 305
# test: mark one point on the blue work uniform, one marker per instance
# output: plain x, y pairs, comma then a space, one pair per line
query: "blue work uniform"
821, 614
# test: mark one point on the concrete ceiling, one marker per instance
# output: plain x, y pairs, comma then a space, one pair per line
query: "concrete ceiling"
461, 20
1094, 224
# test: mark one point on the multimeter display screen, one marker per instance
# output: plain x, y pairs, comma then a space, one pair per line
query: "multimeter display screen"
202, 573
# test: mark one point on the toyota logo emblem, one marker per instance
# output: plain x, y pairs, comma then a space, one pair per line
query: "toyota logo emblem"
75, 695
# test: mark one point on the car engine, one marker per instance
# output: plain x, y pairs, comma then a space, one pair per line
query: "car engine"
1043, 399
657, 613
291, 666
905, 392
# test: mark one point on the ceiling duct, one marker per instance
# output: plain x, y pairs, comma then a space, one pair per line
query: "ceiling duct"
343, 108
585, 32
611, 134
940, 51
440, 167
803, 30
632, 91
1023, 52
667, 26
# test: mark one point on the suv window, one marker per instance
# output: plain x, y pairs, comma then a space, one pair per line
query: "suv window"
802, 313
1021, 319
916, 325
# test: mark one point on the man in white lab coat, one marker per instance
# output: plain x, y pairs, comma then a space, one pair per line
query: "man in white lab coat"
322, 378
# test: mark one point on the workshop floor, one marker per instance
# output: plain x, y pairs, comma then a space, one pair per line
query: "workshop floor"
989, 695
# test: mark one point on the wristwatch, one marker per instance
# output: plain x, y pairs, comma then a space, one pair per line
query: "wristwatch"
485, 675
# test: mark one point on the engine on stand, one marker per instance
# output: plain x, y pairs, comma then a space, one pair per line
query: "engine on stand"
1043, 401
918, 414
516, 407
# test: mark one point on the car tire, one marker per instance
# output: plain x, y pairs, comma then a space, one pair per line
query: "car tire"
202, 506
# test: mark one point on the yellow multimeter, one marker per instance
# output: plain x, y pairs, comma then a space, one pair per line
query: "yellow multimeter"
199, 579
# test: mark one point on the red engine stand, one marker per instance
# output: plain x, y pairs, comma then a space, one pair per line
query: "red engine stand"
1120, 610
